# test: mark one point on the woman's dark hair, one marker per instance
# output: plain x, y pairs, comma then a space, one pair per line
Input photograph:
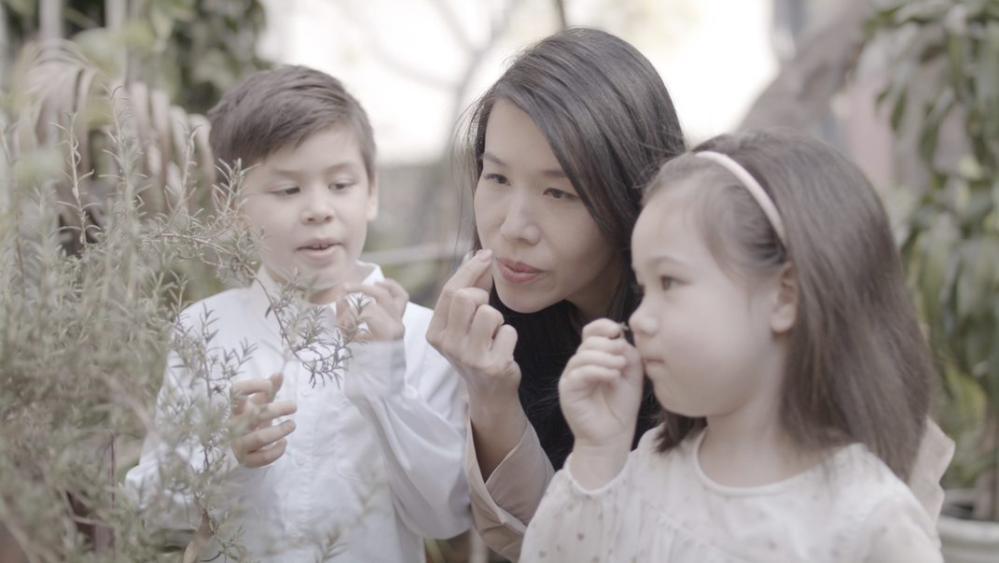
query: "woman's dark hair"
610, 123
858, 367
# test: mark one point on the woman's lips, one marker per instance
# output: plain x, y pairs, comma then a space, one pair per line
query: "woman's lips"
517, 272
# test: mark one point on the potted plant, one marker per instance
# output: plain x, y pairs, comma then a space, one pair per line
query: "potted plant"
943, 97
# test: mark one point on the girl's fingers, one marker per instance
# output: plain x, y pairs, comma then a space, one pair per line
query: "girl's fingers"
616, 346
591, 376
266, 456
381, 324
599, 358
257, 416
602, 327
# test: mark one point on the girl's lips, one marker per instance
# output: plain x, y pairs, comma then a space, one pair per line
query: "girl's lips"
517, 273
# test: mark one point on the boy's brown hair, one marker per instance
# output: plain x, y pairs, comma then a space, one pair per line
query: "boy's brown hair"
274, 109
859, 368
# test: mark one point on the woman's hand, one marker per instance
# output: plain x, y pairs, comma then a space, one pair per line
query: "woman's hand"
600, 392
471, 334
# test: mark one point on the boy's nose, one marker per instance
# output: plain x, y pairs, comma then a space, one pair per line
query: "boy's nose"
518, 222
317, 209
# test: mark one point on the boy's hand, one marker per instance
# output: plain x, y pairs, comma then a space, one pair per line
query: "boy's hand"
382, 313
256, 440
471, 334
601, 388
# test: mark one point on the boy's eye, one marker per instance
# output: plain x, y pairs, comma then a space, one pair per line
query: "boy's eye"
292, 190
555, 193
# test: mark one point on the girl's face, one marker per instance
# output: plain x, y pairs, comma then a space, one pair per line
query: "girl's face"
705, 338
547, 245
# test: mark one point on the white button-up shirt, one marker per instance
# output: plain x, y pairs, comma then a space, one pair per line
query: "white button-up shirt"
374, 463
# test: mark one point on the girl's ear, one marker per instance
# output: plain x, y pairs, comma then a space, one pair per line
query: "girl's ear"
785, 311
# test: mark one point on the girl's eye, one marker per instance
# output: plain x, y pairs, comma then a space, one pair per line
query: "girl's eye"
495, 178
287, 191
666, 282
340, 186
560, 194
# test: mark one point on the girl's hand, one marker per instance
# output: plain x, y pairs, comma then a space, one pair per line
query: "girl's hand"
601, 390
256, 440
382, 313
471, 334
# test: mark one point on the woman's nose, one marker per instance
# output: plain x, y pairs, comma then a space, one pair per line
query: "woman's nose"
518, 221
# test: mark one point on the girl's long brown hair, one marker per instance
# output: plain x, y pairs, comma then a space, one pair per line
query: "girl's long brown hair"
859, 369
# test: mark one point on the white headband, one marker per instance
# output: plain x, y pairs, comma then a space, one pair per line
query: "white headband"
754, 187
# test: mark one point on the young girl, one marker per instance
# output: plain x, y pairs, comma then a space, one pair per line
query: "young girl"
559, 147
779, 338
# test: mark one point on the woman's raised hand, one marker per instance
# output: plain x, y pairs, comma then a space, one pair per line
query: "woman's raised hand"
471, 334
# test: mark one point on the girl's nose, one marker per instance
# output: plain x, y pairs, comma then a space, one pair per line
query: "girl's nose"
642, 322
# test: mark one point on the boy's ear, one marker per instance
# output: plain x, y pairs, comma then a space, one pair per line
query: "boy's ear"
373, 198
785, 311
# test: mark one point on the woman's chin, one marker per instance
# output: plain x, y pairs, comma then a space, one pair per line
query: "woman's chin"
521, 301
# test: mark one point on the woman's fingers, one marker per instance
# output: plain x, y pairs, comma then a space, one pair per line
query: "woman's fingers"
485, 322
473, 273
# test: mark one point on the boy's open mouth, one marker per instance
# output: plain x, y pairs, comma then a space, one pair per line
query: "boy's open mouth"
317, 244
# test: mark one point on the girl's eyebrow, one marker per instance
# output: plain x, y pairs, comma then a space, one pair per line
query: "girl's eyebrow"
492, 158
667, 258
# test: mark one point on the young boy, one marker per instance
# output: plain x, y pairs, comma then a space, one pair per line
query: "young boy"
356, 472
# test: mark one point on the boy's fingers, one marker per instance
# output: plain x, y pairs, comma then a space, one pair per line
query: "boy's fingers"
266, 456
400, 297
277, 380
265, 436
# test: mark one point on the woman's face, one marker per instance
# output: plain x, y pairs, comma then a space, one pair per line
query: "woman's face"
547, 246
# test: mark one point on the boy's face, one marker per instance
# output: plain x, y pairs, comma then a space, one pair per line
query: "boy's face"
311, 205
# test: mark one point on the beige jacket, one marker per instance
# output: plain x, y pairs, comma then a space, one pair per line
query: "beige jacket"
503, 505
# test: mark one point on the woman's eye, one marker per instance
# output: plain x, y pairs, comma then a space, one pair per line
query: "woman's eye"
559, 194
495, 178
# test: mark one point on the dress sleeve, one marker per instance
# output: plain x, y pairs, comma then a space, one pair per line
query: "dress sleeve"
902, 531
576, 524
935, 452
415, 405
503, 505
